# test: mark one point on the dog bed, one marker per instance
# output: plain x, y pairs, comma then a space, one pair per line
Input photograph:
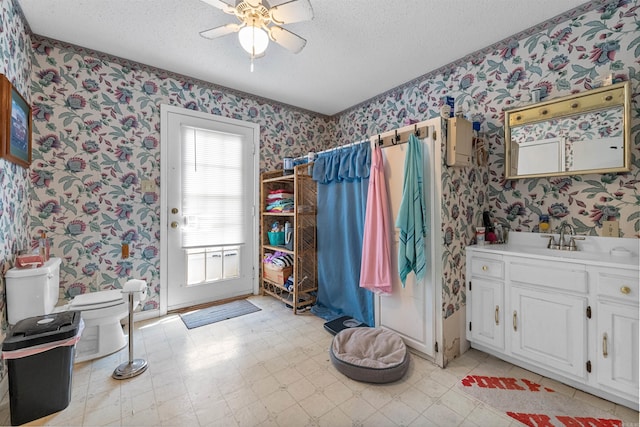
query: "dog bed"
372, 355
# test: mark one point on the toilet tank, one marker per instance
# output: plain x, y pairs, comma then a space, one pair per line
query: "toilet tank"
32, 291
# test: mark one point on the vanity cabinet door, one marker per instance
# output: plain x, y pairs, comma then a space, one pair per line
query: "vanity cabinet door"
617, 344
617, 330
549, 329
486, 323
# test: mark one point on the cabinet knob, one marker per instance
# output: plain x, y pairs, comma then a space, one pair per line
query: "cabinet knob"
485, 268
625, 290
174, 224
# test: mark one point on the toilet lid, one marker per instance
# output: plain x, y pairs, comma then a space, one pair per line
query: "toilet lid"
97, 299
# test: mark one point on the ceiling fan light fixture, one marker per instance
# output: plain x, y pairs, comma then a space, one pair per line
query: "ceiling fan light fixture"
253, 39
259, 23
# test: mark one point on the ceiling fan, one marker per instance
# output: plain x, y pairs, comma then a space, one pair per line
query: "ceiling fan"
259, 23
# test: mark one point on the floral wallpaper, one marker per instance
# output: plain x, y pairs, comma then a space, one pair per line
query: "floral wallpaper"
14, 185
561, 57
97, 136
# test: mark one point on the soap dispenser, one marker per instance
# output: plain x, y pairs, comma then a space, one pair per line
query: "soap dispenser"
544, 225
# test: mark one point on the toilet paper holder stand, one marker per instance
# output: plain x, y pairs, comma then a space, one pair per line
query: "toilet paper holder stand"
133, 367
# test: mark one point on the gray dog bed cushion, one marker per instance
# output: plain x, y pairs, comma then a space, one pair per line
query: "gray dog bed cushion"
372, 355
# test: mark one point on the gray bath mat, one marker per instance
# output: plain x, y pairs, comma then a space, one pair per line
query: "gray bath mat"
217, 313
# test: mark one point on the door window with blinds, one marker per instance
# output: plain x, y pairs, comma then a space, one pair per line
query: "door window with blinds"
212, 204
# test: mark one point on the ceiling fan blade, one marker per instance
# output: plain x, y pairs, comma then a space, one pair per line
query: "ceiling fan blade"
253, 3
292, 11
287, 39
220, 31
219, 4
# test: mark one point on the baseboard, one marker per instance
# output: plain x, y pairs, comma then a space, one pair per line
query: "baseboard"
191, 307
144, 315
139, 316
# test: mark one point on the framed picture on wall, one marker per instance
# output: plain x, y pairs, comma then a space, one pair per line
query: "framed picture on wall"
15, 123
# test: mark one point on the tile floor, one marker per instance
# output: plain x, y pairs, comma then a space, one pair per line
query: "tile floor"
271, 368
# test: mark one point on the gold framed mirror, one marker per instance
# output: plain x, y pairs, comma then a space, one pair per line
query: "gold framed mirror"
588, 132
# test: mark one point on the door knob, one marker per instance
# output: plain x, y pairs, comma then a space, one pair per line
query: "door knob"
174, 224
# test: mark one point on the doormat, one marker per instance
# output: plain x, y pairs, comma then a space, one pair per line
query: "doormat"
533, 404
217, 313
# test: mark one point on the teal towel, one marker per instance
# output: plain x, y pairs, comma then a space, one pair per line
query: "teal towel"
412, 216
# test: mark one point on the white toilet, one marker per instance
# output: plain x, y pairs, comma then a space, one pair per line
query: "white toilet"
34, 292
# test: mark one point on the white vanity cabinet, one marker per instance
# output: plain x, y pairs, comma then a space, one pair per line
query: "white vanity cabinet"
548, 307
569, 319
617, 341
485, 312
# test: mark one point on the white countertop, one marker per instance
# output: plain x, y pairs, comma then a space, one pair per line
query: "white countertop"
596, 251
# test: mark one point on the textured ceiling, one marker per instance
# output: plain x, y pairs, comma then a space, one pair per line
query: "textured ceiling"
356, 49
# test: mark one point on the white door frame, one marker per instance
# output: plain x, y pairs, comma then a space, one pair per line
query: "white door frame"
164, 212
438, 239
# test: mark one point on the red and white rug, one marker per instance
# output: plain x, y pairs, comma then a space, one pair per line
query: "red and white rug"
535, 405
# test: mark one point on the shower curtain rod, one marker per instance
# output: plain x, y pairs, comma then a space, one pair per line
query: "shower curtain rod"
351, 144
401, 135
390, 138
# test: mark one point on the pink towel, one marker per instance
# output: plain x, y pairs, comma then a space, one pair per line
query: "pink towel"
375, 268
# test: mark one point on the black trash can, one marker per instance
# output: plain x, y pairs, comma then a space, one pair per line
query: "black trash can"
39, 352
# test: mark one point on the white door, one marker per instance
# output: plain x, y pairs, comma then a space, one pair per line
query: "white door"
210, 189
409, 311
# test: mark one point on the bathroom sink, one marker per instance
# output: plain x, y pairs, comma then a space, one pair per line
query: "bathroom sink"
557, 253
592, 250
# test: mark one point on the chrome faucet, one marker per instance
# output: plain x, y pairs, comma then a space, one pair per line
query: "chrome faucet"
572, 232
562, 244
571, 244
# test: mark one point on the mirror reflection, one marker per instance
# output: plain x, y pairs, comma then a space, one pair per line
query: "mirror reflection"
584, 133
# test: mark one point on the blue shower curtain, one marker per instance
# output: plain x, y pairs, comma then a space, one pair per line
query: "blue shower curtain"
343, 179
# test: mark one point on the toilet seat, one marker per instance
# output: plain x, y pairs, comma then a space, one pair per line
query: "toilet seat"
97, 300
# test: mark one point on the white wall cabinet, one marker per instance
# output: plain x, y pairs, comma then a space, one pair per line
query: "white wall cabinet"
566, 319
